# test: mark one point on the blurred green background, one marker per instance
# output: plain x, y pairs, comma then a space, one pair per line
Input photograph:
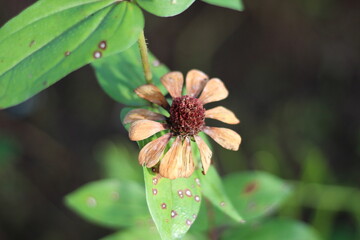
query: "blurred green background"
292, 69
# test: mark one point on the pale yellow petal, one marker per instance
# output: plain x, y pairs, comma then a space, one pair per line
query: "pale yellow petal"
188, 160
227, 138
172, 163
141, 114
173, 82
142, 129
150, 154
214, 90
222, 114
205, 153
195, 82
152, 94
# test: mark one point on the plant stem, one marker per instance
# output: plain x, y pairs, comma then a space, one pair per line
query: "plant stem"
145, 58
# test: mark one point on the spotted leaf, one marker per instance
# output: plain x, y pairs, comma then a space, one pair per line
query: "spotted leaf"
110, 203
233, 4
50, 39
119, 74
165, 8
173, 204
255, 194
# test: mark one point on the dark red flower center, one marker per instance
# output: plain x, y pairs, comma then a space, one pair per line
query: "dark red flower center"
187, 116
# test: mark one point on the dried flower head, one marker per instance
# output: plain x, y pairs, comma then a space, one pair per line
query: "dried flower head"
186, 120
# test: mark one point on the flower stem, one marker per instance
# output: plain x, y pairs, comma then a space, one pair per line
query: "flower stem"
145, 58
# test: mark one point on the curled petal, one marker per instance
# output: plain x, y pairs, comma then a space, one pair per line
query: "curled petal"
150, 154
142, 129
173, 82
195, 82
227, 138
152, 94
141, 114
222, 114
171, 165
188, 160
205, 153
214, 90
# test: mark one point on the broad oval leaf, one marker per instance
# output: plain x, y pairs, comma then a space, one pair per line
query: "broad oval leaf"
165, 8
110, 203
121, 73
53, 38
273, 229
232, 4
173, 204
255, 194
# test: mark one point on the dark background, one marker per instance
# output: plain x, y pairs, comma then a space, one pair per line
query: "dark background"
292, 69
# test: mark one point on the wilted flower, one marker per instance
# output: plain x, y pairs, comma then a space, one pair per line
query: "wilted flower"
186, 120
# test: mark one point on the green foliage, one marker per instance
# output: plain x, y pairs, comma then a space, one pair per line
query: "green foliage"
211, 187
110, 203
120, 74
54, 38
233, 4
273, 229
165, 8
255, 194
173, 204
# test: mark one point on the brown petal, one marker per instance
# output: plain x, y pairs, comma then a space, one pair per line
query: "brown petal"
214, 90
140, 114
195, 82
205, 153
172, 163
141, 129
188, 160
222, 114
227, 138
150, 154
152, 94
173, 82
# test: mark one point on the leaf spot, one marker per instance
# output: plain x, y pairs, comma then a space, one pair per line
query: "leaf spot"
115, 195
97, 54
67, 53
163, 205
154, 191
155, 181
181, 194
188, 193
251, 187
194, 216
222, 204
197, 198
173, 1
91, 202
45, 83
156, 63
31, 43
197, 181
154, 170
188, 222
173, 214
102, 45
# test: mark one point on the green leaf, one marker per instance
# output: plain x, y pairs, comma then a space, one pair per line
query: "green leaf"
165, 8
273, 229
255, 194
110, 203
211, 187
51, 38
232, 4
120, 74
173, 204
118, 160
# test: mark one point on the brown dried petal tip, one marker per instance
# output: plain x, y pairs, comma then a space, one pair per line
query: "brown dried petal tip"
195, 82
142, 129
152, 94
214, 90
173, 82
227, 138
